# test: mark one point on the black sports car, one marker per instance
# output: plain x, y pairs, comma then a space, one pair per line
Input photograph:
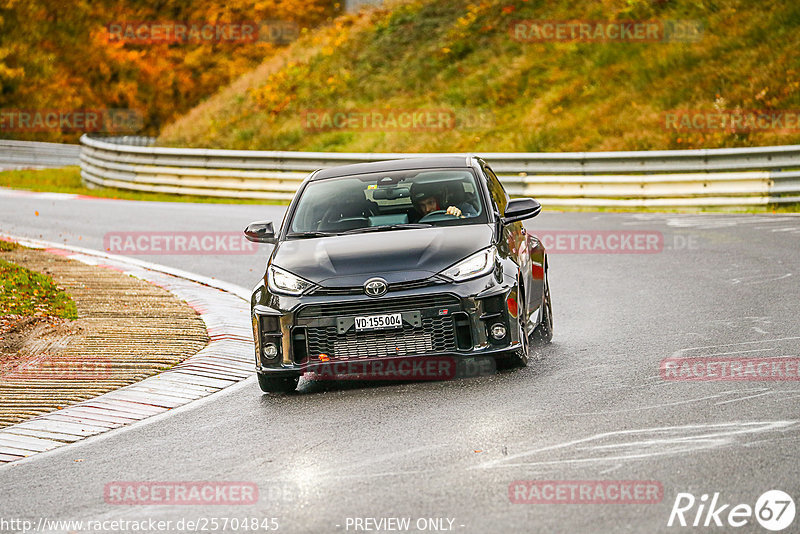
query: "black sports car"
398, 260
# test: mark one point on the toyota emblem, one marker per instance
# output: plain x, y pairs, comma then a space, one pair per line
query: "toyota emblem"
375, 287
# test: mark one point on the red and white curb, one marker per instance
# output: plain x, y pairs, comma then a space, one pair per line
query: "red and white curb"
226, 360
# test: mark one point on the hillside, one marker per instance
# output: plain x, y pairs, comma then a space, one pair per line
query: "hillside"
501, 91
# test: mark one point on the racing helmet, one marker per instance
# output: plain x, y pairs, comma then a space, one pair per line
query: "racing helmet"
421, 191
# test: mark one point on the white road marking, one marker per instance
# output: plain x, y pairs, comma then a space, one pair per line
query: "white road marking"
782, 392
16, 193
758, 279
745, 398
789, 222
657, 406
627, 445
703, 350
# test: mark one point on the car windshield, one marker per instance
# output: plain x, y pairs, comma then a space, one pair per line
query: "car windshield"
388, 201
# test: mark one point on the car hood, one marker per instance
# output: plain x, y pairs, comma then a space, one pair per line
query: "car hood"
396, 255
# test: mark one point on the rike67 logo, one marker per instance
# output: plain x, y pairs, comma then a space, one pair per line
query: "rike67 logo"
774, 510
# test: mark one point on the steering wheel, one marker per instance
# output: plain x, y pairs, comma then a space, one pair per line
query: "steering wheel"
438, 215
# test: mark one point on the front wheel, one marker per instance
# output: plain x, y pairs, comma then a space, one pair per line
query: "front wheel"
544, 330
518, 357
277, 384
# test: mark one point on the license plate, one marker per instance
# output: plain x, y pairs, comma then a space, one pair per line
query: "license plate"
379, 322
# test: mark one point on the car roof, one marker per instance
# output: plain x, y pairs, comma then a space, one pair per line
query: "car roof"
408, 164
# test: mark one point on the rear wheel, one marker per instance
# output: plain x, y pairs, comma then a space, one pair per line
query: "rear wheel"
544, 330
277, 384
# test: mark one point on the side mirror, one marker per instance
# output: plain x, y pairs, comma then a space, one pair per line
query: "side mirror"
520, 209
260, 232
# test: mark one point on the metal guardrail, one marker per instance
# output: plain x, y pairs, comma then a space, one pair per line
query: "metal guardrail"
129, 140
34, 154
707, 177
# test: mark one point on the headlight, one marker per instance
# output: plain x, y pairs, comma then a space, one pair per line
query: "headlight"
479, 264
281, 281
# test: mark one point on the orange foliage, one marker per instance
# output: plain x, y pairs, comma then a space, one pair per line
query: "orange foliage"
58, 55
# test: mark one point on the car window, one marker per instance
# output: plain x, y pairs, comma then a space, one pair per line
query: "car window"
350, 203
496, 190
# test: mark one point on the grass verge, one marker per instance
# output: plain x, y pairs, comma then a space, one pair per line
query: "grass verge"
25, 292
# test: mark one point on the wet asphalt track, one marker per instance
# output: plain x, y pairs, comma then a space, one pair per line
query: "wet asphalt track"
593, 407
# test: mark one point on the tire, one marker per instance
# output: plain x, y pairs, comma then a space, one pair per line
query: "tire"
277, 384
544, 330
519, 357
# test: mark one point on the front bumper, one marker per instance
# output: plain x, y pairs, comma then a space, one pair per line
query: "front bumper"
447, 320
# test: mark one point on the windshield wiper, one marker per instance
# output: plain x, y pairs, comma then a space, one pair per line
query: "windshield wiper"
400, 226
309, 234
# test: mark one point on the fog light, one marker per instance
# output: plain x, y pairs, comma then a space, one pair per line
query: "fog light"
498, 331
270, 350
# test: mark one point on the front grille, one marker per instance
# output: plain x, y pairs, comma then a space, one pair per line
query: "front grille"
436, 335
403, 286
377, 305
333, 291
359, 290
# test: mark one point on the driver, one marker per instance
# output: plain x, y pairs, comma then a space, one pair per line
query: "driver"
425, 198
